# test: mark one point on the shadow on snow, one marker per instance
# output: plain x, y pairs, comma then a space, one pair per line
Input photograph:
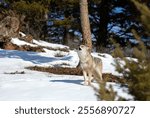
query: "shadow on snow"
69, 81
33, 57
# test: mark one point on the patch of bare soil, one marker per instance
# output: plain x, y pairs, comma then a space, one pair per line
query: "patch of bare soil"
16, 72
58, 70
75, 71
11, 46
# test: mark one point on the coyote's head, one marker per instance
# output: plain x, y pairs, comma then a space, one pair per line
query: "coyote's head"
84, 48
83, 51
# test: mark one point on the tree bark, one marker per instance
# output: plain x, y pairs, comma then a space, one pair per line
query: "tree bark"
104, 20
85, 24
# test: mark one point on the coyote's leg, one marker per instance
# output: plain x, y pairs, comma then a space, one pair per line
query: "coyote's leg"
85, 78
100, 76
90, 77
99, 73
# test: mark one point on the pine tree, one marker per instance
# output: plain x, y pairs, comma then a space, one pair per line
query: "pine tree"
145, 14
137, 71
85, 24
106, 94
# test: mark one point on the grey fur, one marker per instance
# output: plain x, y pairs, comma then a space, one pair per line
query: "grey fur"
91, 66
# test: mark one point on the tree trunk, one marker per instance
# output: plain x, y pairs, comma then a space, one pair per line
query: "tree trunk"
104, 20
85, 24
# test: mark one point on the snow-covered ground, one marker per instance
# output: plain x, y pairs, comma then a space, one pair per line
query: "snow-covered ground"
33, 85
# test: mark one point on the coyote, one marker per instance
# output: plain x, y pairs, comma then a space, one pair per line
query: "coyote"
91, 66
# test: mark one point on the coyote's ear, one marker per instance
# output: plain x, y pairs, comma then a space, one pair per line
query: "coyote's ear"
88, 49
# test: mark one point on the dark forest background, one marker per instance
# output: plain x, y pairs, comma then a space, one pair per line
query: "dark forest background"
59, 21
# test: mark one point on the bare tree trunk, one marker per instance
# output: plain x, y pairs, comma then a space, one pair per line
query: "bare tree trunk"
104, 20
85, 24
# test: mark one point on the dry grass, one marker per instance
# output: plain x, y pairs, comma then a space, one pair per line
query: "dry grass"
75, 71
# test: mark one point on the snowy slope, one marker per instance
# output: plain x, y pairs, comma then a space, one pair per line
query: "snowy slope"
33, 85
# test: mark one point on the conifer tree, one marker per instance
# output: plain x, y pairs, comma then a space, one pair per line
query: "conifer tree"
35, 13
85, 24
137, 71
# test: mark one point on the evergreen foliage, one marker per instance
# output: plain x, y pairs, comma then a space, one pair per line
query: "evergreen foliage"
106, 94
137, 71
64, 15
34, 12
145, 14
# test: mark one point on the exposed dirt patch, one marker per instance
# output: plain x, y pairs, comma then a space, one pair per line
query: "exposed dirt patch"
58, 70
28, 38
16, 72
30, 48
75, 71
11, 46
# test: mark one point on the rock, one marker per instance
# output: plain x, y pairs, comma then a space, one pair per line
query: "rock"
9, 27
29, 48
10, 46
27, 38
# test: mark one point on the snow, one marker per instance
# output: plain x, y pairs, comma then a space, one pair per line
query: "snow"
34, 85
108, 62
37, 43
22, 34
46, 44
118, 10
20, 42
